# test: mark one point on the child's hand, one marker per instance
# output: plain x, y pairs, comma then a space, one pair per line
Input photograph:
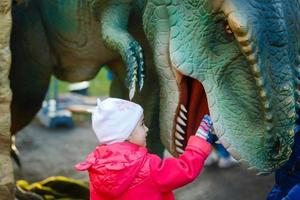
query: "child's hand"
204, 130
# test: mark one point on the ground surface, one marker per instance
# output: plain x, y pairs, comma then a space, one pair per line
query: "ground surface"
47, 152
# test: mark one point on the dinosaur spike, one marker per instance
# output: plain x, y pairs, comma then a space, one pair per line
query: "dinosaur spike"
252, 60
260, 82
248, 51
256, 70
243, 40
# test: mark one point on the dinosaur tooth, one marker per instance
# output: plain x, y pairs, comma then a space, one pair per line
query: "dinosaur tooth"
179, 136
178, 143
182, 115
183, 108
180, 121
179, 150
179, 129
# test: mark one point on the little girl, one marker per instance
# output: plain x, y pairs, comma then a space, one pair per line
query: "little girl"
121, 168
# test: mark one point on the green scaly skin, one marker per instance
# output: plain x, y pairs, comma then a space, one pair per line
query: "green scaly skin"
113, 16
246, 55
72, 40
251, 90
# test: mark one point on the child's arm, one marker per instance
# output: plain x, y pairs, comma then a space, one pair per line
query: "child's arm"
172, 173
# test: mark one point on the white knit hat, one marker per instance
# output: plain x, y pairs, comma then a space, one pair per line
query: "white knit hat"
114, 119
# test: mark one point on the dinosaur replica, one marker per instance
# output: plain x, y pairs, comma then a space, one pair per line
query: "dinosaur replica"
74, 49
242, 55
245, 54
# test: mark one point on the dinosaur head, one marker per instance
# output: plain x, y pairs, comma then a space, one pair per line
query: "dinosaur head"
245, 54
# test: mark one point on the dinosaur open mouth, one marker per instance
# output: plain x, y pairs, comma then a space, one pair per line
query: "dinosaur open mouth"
191, 108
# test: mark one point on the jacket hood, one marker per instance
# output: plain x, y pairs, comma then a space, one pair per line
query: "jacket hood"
112, 168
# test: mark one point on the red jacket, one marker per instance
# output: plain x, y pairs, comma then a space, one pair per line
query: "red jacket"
127, 171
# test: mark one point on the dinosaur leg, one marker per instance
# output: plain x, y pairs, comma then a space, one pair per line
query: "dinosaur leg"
114, 17
28, 93
148, 98
32, 65
6, 169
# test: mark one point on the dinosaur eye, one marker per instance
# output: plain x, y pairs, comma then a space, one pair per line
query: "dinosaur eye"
228, 29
